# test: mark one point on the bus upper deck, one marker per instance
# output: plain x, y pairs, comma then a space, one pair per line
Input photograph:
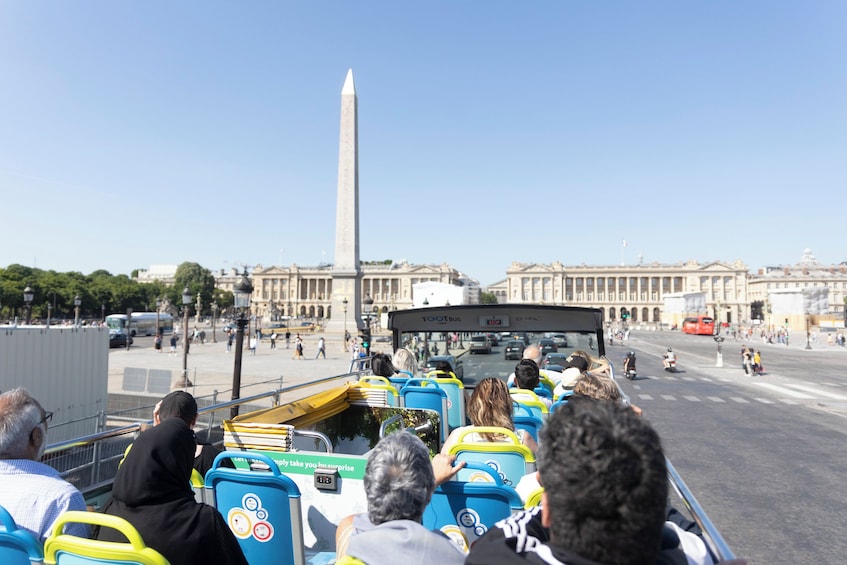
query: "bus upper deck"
320, 441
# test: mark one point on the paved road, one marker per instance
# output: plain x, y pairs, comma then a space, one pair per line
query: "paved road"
765, 455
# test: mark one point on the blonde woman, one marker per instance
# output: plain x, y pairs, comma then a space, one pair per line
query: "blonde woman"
490, 405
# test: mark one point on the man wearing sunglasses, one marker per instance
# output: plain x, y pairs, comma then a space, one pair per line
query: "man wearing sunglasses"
33, 493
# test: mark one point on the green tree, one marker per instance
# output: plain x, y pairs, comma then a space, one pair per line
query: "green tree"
198, 280
487, 298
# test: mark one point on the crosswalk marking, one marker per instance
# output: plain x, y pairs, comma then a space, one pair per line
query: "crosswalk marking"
782, 390
787, 401
763, 400
645, 396
691, 398
739, 400
820, 392
706, 379
715, 399
690, 379
668, 397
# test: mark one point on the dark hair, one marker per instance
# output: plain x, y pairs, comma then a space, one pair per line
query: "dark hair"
605, 478
444, 366
526, 374
381, 366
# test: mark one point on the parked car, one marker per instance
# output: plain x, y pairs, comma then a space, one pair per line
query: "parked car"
514, 349
118, 339
547, 346
480, 343
456, 364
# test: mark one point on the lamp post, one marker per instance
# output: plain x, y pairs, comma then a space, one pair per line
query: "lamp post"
28, 301
158, 308
241, 292
344, 305
128, 327
719, 360
367, 308
102, 312
50, 314
183, 382
77, 304
214, 314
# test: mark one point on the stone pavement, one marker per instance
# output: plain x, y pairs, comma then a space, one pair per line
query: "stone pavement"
210, 366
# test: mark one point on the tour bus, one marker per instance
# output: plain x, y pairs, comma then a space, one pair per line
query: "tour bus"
699, 325
300, 459
143, 323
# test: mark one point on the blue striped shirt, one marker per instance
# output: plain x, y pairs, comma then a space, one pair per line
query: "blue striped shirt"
35, 495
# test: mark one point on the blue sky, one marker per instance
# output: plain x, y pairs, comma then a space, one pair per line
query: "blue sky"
139, 133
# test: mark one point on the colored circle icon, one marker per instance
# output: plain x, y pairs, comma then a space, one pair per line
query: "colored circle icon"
251, 502
240, 523
263, 531
262, 514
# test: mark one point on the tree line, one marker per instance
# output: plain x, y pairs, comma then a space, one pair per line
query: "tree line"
102, 293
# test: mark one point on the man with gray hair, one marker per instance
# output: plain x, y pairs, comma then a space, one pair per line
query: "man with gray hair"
399, 481
31, 491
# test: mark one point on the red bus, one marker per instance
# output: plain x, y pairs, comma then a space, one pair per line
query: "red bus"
701, 325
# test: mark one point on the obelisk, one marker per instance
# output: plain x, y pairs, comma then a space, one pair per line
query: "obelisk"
346, 274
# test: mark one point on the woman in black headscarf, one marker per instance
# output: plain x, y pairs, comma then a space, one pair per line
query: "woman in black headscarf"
152, 492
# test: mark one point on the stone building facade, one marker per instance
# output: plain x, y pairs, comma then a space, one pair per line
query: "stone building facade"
307, 291
635, 290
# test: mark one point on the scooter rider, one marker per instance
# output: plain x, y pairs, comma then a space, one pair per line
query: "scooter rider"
629, 363
669, 358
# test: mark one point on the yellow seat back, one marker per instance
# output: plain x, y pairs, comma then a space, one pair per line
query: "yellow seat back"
60, 546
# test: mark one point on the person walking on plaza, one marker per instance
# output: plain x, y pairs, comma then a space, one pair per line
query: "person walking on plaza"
157, 343
298, 348
174, 340
254, 341
321, 348
273, 340
229, 338
287, 339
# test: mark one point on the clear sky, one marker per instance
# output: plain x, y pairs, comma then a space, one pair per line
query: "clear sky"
135, 133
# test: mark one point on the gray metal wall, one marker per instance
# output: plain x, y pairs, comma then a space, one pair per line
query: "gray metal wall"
65, 368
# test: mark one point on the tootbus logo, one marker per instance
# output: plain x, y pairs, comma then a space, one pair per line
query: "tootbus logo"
441, 319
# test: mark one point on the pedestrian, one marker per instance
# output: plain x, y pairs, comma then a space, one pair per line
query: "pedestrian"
253, 344
273, 340
321, 348
757, 362
174, 339
748, 362
287, 339
229, 340
298, 348
157, 343
202, 337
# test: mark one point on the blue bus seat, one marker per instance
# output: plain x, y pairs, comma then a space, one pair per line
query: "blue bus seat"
262, 509
530, 400
65, 549
18, 546
509, 458
543, 392
455, 390
426, 394
465, 510
530, 424
563, 399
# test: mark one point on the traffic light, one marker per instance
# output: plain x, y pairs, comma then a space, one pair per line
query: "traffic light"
366, 340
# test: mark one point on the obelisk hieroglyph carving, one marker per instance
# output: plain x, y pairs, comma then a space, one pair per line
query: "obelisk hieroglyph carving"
346, 274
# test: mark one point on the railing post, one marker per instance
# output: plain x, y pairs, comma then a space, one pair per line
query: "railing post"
95, 466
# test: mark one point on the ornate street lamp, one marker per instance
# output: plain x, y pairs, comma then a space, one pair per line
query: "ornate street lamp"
367, 308
808, 333
214, 314
184, 382
102, 312
197, 313
28, 301
242, 290
158, 309
344, 304
50, 314
77, 304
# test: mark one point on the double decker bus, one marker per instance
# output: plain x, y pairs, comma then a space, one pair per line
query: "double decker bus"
699, 325
142, 323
